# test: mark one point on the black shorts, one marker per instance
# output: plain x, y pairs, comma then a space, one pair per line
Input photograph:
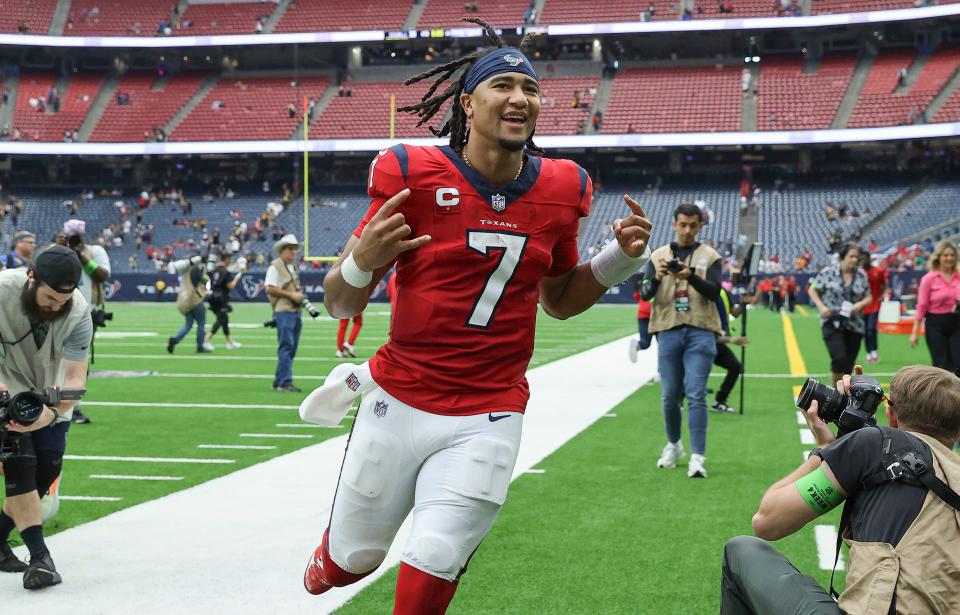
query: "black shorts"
37, 462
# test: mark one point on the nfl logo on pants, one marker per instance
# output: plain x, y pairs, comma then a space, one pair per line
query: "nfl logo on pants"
380, 409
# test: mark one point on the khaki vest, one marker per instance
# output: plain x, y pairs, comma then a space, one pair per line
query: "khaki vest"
288, 281
703, 312
23, 366
190, 296
923, 570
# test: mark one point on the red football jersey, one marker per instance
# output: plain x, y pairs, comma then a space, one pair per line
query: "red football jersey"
877, 276
462, 333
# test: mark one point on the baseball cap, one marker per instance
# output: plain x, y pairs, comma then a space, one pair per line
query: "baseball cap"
59, 268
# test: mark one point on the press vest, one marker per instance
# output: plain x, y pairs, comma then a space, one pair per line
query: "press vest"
923, 570
190, 296
702, 313
288, 281
24, 366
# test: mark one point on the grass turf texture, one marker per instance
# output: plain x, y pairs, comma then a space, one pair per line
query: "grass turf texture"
601, 531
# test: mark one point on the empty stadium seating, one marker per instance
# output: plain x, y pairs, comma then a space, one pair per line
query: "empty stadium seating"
117, 17
35, 15
950, 111
336, 15
36, 125
558, 115
449, 13
367, 112
791, 100
225, 18
819, 7
929, 208
152, 104
652, 100
880, 105
250, 108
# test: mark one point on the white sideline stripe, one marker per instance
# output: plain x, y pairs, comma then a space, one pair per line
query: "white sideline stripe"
240, 376
307, 426
147, 459
806, 437
139, 404
205, 357
132, 477
242, 447
89, 498
535, 471
301, 436
218, 552
107, 335
800, 419
827, 547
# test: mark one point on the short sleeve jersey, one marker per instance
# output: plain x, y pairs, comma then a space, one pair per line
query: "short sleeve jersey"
462, 334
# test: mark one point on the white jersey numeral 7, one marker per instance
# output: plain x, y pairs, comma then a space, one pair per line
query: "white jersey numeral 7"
511, 247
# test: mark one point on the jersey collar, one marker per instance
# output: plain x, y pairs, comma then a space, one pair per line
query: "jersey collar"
497, 198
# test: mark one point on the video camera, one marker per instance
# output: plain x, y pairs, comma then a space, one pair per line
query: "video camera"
849, 412
25, 408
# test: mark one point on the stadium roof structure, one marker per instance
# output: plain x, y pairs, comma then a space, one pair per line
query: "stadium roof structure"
600, 141
586, 29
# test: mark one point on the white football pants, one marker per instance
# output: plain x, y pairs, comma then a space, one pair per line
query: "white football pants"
452, 471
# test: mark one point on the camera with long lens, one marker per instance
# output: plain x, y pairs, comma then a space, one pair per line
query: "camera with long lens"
25, 408
100, 317
310, 308
849, 412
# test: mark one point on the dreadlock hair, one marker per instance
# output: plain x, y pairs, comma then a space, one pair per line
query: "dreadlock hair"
431, 103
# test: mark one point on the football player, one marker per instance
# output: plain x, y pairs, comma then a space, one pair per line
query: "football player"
480, 230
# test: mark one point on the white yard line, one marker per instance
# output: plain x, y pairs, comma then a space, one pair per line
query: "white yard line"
88, 498
307, 426
293, 436
285, 503
208, 376
148, 459
806, 436
132, 477
208, 357
827, 547
241, 447
137, 404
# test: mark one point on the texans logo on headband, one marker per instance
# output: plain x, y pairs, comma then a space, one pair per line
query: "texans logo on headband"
505, 60
513, 60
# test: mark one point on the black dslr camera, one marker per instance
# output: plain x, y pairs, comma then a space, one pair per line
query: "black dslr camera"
849, 412
674, 265
100, 317
25, 408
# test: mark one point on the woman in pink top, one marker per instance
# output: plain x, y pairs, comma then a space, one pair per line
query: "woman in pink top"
938, 303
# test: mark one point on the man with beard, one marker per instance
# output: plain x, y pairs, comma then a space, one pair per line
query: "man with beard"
45, 334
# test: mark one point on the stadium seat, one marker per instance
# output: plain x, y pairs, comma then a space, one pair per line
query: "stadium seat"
337, 15
152, 102
790, 99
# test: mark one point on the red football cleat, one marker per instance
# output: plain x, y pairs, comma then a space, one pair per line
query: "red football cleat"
313, 579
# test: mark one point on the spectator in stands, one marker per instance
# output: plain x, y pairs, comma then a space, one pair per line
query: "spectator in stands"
901, 76
902, 537
683, 280
282, 285
938, 307
745, 78
841, 292
877, 276
725, 7
291, 110
24, 244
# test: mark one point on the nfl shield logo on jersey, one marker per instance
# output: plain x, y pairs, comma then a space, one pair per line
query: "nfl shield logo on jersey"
499, 202
353, 383
380, 409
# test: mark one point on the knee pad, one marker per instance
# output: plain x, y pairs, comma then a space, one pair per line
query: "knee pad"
20, 475
370, 471
436, 554
49, 466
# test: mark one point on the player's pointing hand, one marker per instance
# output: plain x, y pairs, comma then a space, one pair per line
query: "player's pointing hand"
633, 232
383, 238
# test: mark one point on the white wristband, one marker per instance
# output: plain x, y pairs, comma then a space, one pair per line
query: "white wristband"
611, 265
353, 275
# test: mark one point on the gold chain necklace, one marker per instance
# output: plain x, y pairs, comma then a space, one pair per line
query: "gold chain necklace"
515, 177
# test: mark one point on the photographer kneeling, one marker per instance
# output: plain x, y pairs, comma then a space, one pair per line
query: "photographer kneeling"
902, 517
45, 333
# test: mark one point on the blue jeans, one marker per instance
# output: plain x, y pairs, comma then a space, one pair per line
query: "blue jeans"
288, 336
685, 356
198, 314
870, 331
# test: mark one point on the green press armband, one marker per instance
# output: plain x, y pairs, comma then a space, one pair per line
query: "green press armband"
90, 267
818, 492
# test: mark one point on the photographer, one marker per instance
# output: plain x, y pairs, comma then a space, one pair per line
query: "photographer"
96, 271
903, 556
23, 245
683, 279
222, 281
841, 292
282, 285
190, 303
45, 333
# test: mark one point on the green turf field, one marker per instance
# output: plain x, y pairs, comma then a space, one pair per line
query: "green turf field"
602, 530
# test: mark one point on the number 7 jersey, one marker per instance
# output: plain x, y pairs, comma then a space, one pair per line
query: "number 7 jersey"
462, 334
